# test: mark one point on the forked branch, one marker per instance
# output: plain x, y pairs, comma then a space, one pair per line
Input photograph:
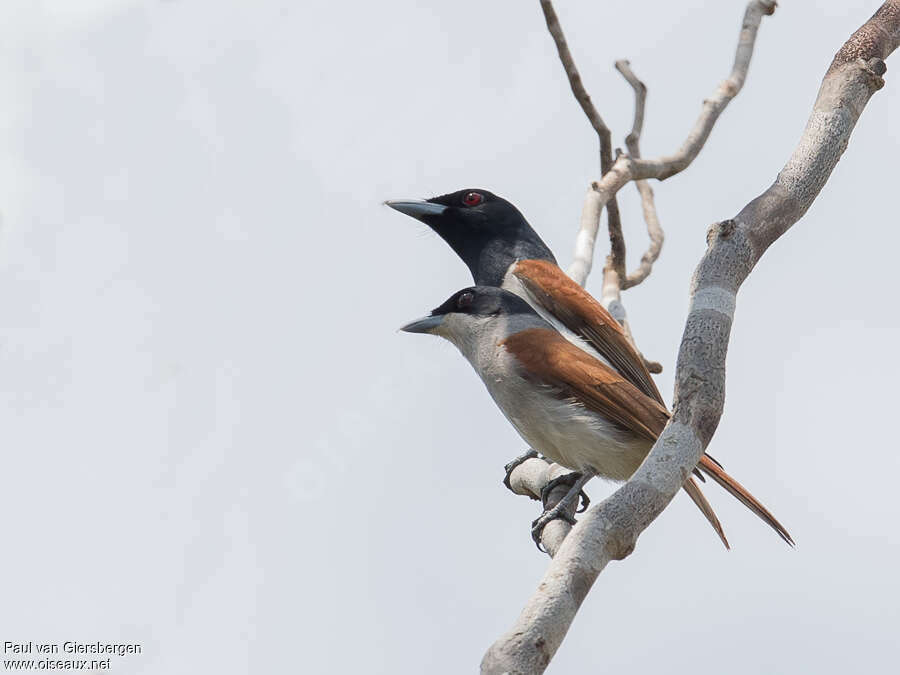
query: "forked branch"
627, 168
614, 279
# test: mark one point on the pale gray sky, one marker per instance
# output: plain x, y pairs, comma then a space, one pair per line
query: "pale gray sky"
216, 444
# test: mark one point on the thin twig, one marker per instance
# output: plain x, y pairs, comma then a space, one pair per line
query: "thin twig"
632, 142
640, 101
616, 240
627, 168
614, 281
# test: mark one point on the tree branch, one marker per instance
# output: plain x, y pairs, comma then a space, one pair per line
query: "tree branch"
627, 168
632, 142
529, 480
609, 531
614, 280
616, 240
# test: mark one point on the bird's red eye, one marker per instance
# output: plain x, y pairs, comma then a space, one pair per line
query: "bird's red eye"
465, 300
473, 199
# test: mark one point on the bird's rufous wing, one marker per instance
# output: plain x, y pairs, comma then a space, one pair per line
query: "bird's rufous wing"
552, 360
578, 311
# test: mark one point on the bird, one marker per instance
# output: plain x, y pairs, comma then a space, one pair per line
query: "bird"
501, 249
572, 407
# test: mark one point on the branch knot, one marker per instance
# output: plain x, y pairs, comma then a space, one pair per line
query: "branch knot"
720, 230
768, 6
873, 69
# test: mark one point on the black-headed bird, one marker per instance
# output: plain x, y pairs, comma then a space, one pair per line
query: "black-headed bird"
503, 251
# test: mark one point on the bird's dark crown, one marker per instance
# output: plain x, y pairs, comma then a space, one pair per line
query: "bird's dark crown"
484, 301
487, 232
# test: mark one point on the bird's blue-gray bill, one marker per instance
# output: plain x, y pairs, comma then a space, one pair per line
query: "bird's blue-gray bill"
416, 207
424, 325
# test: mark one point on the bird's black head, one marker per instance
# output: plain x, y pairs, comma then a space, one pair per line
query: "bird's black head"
475, 301
483, 301
485, 230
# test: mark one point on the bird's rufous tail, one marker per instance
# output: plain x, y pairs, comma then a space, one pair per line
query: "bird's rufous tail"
712, 469
690, 486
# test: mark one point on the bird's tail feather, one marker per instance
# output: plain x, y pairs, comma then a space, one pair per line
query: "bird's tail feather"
715, 471
690, 486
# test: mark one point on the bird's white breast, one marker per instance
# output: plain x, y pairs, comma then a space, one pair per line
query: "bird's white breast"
562, 430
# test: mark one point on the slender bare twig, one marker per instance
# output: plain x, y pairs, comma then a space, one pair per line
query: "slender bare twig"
609, 531
640, 102
632, 142
613, 280
627, 168
616, 240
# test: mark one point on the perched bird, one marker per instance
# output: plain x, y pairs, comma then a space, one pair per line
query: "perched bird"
567, 404
501, 249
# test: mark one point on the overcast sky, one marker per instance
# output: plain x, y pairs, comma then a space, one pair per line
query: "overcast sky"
216, 444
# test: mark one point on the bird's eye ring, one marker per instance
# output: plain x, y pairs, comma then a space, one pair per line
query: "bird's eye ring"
465, 300
473, 198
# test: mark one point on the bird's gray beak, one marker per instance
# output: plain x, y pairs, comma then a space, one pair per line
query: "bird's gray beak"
416, 208
426, 324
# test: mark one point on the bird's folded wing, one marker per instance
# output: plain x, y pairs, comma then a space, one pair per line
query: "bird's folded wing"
550, 359
578, 311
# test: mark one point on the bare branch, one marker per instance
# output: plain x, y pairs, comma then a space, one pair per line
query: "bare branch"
654, 231
529, 479
614, 280
727, 90
609, 531
616, 240
565, 56
640, 100
627, 168
632, 142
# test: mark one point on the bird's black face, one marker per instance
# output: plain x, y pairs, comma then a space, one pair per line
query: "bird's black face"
486, 301
469, 212
485, 230
465, 216
475, 301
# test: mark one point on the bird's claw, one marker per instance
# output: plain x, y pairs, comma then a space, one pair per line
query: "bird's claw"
539, 523
585, 502
575, 482
569, 479
511, 466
